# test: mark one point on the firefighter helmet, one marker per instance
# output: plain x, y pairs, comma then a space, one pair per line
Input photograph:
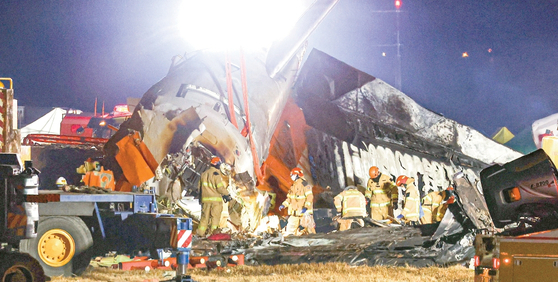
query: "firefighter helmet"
61, 181
215, 160
402, 179
374, 172
297, 171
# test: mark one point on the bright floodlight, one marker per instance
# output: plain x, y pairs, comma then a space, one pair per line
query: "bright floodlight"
233, 23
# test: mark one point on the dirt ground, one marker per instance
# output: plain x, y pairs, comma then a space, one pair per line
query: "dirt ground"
287, 273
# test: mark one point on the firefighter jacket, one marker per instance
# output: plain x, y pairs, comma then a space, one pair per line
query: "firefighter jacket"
212, 186
350, 203
379, 190
299, 196
439, 207
427, 207
411, 207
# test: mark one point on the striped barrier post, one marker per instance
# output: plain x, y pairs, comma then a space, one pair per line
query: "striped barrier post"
183, 238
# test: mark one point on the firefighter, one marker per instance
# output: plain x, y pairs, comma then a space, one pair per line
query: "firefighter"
299, 202
350, 205
411, 206
213, 193
430, 204
435, 205
445, 198
379, 191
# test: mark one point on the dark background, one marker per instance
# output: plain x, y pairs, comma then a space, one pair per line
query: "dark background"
66, 53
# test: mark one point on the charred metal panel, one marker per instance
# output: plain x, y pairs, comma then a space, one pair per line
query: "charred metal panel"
392, 246
356, 108
472, 203
333, 159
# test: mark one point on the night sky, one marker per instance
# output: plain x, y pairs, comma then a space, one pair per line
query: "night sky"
66, 53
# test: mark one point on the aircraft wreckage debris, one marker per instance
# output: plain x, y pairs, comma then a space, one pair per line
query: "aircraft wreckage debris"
392, 246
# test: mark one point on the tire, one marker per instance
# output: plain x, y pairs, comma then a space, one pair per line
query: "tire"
64, 243
20, 267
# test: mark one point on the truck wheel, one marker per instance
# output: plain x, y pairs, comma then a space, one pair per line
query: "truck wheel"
61, 245
20, 267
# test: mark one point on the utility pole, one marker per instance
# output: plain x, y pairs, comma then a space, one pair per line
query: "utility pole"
398, 72
398, 44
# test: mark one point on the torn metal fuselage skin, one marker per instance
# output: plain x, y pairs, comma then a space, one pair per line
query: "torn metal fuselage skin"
355, 121
219, 103
187, 112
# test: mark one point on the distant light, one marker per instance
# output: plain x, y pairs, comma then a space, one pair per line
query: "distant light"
465, 55
121, 108
226, 24
489, 50
398, 4
383, 54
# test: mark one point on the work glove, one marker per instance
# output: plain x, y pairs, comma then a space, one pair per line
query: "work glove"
304, 210
227, 198
281, 207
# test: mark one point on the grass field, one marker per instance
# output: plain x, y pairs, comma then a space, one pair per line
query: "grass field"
286, 273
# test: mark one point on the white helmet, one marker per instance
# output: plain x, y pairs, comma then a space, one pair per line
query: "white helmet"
61, 181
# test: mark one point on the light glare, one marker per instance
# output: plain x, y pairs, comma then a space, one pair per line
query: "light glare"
229, 24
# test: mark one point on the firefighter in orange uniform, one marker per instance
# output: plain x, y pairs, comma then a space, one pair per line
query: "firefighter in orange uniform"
350, 205
213, 193
411, 207
380, 192
299, 201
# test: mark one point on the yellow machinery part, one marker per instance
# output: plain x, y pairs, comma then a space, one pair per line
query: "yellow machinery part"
56, 247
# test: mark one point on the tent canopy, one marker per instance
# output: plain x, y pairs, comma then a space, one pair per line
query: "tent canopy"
503, 135
47, 124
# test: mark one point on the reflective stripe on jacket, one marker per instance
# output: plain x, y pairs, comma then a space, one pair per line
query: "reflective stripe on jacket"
350, 203
438, 208
299, 196
212, 186
412, 203
379, 190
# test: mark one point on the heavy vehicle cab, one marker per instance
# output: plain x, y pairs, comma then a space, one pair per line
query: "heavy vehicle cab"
522, 197
18, 219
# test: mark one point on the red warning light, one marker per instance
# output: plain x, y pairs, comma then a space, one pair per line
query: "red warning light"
397, 4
